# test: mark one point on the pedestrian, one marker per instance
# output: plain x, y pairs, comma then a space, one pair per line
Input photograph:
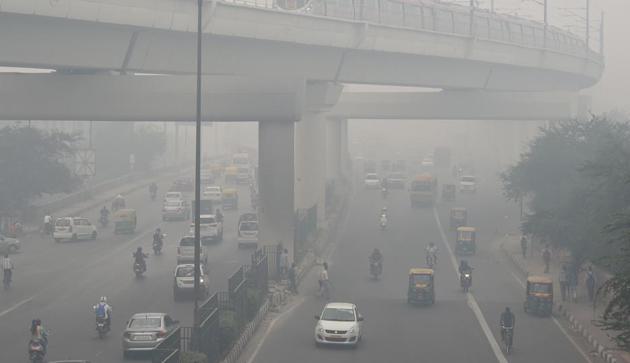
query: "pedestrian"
323, 281
7, 268
292, 279
572, 282
47, 224
284, 263
546, 255
524, 246
590, 283
563, 282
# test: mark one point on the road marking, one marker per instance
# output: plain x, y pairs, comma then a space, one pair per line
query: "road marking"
16, 306
566, 334
270, 327
472, 302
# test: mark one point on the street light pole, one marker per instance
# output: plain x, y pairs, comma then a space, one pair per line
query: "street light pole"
198, 180
588, 24
546, 22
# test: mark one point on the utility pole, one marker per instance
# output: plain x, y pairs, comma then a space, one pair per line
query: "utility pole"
546, 22
197, 183
601, 36
588, 24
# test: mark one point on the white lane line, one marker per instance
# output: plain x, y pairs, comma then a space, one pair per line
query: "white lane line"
16, 306
270, 328
564, 332
472, 302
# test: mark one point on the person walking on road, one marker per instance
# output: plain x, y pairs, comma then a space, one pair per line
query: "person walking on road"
7, 269
563, 282
293, 279
524, 246
590, 283
324, 283
546, 255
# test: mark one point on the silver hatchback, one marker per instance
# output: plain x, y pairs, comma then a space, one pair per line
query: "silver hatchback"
144, 331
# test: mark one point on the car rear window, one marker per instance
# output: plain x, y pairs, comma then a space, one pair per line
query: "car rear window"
188, 241
151, 323
248, 226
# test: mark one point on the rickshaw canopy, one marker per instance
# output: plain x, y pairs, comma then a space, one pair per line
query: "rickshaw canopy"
125, 213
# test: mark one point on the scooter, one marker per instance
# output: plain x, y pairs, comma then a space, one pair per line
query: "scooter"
431, 260
102, 327
36, 351
137, 269
104, 220
157, 247
383, 222
466, 280
375, 269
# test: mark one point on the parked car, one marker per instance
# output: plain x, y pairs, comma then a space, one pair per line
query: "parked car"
144, 331
211, 229
73, 228
175, 209
9, 244
184, 281
340, 324
186, 251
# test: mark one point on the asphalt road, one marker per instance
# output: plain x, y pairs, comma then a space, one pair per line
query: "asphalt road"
449, 331
60, 282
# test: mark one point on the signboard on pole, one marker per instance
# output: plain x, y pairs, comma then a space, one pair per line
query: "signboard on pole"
85, 163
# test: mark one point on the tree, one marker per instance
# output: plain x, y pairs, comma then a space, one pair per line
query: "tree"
33, 163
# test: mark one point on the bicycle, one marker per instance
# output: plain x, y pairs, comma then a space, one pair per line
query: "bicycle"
508, 337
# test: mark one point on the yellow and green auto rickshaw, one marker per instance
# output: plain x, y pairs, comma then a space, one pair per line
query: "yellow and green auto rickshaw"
421, 286
231, 174
465, 244
229, 199
448, 192
459, 218
539, 295
125, 221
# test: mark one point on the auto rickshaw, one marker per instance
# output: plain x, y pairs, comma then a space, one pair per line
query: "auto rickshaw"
229, 198
118, 203
539, 295
231, 173
465, 243
421, 286
448, 192
125, 221
459, 218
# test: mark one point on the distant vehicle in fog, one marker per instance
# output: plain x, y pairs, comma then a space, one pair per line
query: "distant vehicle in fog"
423, 190
396, 180
468, 184
372, 181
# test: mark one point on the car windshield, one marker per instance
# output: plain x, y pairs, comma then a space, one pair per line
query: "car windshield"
421, 279
540, 288
63, 222
186, 271
187, 242
173, 195
147, 323
336, 314
248, 226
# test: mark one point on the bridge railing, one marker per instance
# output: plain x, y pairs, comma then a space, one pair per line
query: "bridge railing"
440, 18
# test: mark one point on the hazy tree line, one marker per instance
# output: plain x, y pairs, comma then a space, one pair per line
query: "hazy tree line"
575, 178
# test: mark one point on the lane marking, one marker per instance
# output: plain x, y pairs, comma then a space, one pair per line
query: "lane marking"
472, 302
270, 328
14, 307
553, 318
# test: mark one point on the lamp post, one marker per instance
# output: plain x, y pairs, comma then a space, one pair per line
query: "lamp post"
197, 260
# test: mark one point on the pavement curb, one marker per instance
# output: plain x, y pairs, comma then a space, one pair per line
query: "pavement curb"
248, 332
602, 351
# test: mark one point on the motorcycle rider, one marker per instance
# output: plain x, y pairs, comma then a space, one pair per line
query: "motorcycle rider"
219, 215
432, 251
153, 190
377, 258
104, 311
7, 268
508, 320
39, 334
158, 238
104, 214
139, 257
464, 268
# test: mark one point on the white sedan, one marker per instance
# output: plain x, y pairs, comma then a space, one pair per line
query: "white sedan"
339, 324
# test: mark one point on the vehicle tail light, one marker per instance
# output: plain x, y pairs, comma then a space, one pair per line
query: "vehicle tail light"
161, 334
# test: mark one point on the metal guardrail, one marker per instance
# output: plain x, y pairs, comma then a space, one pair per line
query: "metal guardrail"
442, 18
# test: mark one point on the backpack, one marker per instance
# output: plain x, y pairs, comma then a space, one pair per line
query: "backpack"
100, 310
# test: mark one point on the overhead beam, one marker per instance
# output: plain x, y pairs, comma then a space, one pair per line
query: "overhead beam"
149, 98
457, 105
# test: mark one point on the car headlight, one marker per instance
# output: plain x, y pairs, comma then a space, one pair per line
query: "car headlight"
320, 329
351, 331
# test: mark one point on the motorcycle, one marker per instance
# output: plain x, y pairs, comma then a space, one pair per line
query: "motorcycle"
508, 335
466, 280
383, 222
157, 247
104, 220
102, 327
375, 269
138, 269
36, 351
431, 260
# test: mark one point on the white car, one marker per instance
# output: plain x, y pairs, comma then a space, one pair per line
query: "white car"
186, 251
8, 244
339, 324
175, 209
73, 228
468, 184
185, 280
248, 234
211, 230
173, 196
213, 193
372, 181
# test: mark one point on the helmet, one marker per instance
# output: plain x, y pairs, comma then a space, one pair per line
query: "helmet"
104, 299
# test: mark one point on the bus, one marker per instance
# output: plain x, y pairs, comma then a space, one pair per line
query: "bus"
423, 190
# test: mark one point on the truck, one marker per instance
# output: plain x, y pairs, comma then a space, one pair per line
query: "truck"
423, 190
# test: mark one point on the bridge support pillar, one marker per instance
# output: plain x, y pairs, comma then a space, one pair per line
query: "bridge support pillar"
276, 181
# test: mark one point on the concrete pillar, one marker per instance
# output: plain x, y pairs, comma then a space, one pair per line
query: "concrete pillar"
276, 177
333, 149
345, 164
310, 163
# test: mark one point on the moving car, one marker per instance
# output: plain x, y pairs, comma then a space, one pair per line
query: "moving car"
213, 193
9, 244
211, 230
468, 184
173, 196
396, 180
427, 162
339, 323
186, 251
73, 228
144, 331
372, 181
175, 209
248, 233
184, 281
